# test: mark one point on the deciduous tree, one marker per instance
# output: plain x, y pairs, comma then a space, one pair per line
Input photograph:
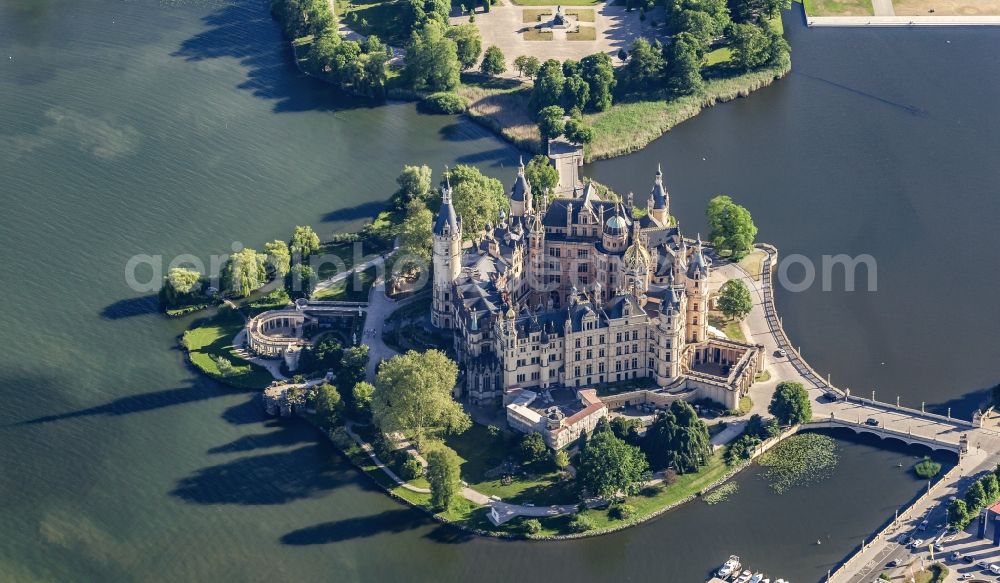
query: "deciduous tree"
541, 174
550, 122
790, 404
732, 226
413, 394
304, 242
278, 257
444, 475
415, 236
469, 44
477, 198
245, 271
610, 466
493, 62
328, 405
432, 59
527, 66
414, 183
735, 300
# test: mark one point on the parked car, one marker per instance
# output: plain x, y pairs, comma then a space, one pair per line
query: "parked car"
891, 564
780, 353
917, 543
871, 421
956, 556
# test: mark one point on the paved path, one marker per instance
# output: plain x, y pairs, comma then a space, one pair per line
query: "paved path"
883, 7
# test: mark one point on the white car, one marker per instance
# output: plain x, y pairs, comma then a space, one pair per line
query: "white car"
995, 569
917, 543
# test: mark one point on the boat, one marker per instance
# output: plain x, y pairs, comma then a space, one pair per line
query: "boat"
744, 577
756, 578
731, 566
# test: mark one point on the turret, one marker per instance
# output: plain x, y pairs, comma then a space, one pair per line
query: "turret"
659, 199
447, 248
697, 294
670, 333
636, 264
520, 194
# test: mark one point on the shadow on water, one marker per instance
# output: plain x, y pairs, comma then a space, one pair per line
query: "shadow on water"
964, 406
390, 521
365, 210
245, 31
279, 438
266, 479
495, 158
131, 307
142, 403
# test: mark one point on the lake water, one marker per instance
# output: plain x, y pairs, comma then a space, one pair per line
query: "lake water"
175, 127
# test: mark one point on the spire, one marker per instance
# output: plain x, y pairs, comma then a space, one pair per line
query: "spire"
658, 194
446, 224
520, 165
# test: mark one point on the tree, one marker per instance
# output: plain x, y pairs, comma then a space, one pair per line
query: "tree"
413, 394
790, 404
541, 174
548, 85
432, 59
493, 62
361, 394
975, 498
560, 459
304, 242
644, 69
751, 46
477, 198
527, 66
279, 257
990, 485
300, 281
328, 405
468, 43
626, 428
757, 10
183, 280
550, 122
443, 473
353, 362
578, 132
928, 468
418, 13
532, 449
609, 466
414, 183
245, 271
678, 439
576, 93
684, 65
324, 355
415, 237
958, 514
762, 428
734, 299
701, 26
732, 227
599, 73
602, 426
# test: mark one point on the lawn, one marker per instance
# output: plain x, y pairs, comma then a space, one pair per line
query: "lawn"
354, 288
582, 33
383, 19
533, 15
582, 14
936, 573
480, 453
213, 339
537, 34
731, 328
754, 263
839, 7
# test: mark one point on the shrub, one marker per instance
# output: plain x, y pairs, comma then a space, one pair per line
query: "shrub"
927, 468
411, 469
622, 511
532, 526
580, 523
444, 103
226, 367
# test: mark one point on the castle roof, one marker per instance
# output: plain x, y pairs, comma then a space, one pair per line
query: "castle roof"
446, 222
659, 194
521, 189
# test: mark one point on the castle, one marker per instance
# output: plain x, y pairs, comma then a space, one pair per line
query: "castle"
579, 291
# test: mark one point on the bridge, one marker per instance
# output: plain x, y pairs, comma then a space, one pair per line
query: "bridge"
908, 437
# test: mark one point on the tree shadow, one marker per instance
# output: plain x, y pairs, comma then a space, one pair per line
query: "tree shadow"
965, 405
247, 412
390, 521
246, 32
283, 437
497, 158
131, 307
142, 403
266, 479
365, 210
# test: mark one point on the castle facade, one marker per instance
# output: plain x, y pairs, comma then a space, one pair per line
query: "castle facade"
582, 291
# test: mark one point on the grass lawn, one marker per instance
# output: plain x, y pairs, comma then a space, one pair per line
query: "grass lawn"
839, 7
745, 405
763, 377
537, 34
480, 453
533, 15
731, 328
549, 2
383, 19
582, 33
582, 14
754, 263
354, 288
719, 55
213, 339
936, 573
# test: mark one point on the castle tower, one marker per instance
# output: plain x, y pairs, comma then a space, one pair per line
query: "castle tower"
636, 264
520, 194
670, 328
447, 247
615, 230
697, 295
659, 200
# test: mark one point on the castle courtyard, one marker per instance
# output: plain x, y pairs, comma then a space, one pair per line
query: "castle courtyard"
511, 28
